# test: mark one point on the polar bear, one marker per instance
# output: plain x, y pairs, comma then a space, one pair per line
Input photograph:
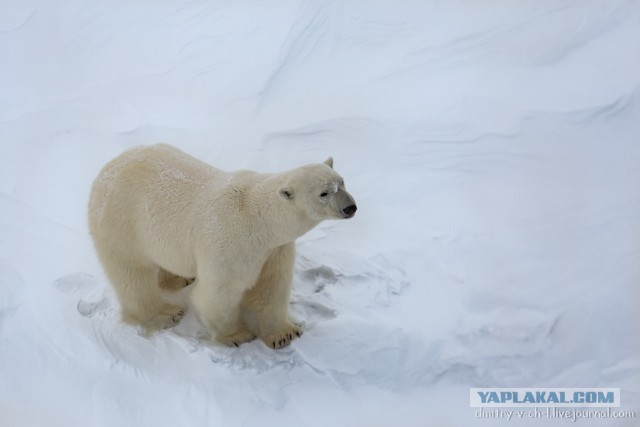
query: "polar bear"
159, 218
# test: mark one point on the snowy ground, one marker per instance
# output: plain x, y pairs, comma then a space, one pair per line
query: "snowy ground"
493, 148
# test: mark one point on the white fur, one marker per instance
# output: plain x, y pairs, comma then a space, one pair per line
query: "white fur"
159, 217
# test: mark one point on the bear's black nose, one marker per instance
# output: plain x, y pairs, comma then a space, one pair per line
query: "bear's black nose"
349, 210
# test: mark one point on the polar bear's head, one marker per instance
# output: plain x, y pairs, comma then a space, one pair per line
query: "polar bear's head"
318, 191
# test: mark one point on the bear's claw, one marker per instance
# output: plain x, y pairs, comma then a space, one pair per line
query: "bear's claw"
170, 316
177, 316
171, 282
240, 337
282, 338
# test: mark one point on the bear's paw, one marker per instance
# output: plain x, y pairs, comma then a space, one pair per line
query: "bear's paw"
234, 340
283, 337
170, 316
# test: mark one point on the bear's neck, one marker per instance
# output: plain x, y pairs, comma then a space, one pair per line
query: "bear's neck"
281, 220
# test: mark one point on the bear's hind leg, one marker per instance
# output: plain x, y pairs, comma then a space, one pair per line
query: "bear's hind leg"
171, 282
136, 286
265, 307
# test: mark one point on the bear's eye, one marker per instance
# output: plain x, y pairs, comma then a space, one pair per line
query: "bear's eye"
323, 194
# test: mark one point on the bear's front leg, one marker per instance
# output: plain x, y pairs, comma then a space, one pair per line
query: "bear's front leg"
265, 307
218, 307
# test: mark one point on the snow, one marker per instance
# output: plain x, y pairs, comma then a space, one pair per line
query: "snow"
492, 148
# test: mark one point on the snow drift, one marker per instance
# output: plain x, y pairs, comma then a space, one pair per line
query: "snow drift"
493, 148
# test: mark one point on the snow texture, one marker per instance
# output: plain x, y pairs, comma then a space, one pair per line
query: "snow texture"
493, 148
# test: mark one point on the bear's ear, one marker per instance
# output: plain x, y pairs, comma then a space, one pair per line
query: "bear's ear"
329, 162
286, 193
